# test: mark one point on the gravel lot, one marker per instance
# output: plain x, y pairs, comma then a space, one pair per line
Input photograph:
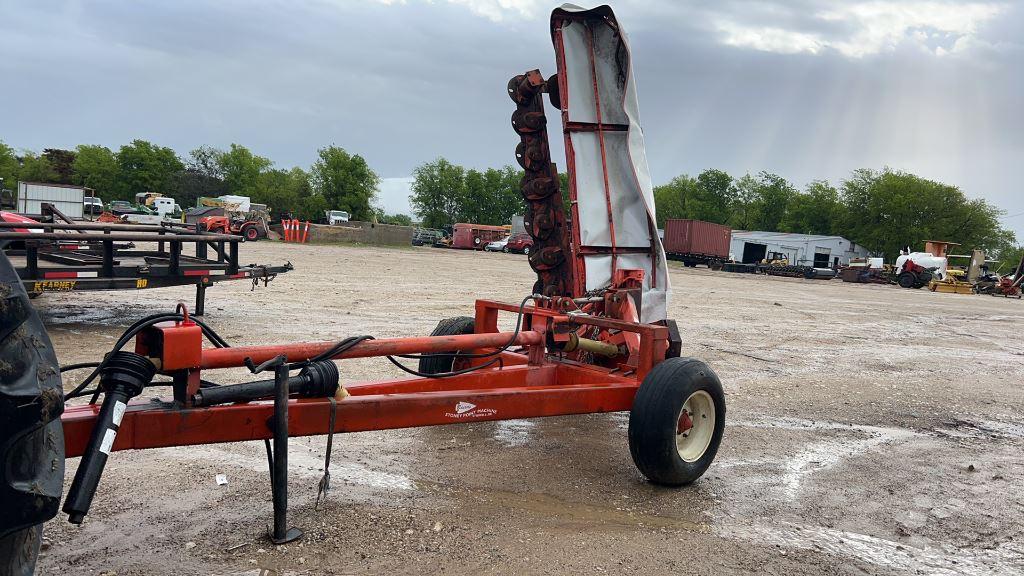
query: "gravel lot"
871, 430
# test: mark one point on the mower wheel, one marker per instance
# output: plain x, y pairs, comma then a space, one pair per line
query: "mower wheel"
448, 327
677, 421
251, 234
906, 279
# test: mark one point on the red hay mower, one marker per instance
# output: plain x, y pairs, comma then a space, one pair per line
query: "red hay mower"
591, 337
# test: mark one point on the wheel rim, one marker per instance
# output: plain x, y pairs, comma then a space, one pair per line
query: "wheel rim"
526, 250
696, 426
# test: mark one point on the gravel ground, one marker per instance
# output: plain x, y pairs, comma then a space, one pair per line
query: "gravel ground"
871, 430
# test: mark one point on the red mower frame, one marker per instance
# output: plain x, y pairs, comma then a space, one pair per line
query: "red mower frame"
528, 383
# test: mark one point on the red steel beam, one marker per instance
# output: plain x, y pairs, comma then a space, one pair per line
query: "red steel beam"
149, 425
235, 356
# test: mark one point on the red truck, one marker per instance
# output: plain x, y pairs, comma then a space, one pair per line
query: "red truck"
520, 242
695, 242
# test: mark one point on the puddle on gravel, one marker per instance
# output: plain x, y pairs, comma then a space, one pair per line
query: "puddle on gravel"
982, 429
512, 433
845, 441
1007, 558
77, 315
308, 465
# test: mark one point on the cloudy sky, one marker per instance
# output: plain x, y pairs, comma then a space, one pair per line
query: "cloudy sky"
805, 88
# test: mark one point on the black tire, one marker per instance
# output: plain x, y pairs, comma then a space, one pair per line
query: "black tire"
19, 551
906, 279
31, 435
526, 250
504, 249
923, 279
251, 233
654, 421
447, 327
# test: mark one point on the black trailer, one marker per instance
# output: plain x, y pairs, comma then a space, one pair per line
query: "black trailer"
107, 256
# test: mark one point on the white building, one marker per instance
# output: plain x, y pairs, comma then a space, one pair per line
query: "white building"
801, 249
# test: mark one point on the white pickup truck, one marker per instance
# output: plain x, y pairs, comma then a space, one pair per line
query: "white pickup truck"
333, 217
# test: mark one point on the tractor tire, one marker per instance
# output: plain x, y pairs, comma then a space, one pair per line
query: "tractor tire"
924, 279
251, 234
31, 434
906, 279
20, 550
678, 392
448, 327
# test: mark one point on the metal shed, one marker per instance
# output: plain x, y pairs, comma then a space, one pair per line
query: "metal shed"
801, 249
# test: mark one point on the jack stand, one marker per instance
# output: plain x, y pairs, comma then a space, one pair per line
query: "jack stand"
282, 534
200, 308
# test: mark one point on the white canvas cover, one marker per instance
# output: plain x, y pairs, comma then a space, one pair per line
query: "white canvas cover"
613, 104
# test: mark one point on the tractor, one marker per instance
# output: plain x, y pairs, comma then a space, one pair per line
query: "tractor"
249, 229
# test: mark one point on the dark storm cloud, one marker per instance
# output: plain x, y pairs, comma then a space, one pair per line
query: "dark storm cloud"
807, 89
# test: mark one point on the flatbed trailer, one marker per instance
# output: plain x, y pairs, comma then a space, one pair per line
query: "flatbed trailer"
107, 256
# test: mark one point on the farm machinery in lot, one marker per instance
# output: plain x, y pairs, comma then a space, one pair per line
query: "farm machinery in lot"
251, 229
591, 336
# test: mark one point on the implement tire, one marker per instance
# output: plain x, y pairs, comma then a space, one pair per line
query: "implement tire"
677, 421
31, 435
439, 363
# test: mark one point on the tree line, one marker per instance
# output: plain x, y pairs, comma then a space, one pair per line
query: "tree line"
443, 193
882, 210
336, 180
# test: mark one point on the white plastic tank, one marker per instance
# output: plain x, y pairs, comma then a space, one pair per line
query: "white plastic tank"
925, 259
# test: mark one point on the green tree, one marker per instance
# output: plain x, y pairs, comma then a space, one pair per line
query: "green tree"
1009, 259
392, 219
9, 167
345, 181
438, 188
506, 199
671, 201
95, 167
35, 168
743, 215
241, 169
773, 195
818, 210
187, 186
62, 162
887, 210
712, 198
145, 167
205, 160
474, 206
397, 219
284, 191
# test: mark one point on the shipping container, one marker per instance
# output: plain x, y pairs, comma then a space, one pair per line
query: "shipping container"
696, 242
68, 199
